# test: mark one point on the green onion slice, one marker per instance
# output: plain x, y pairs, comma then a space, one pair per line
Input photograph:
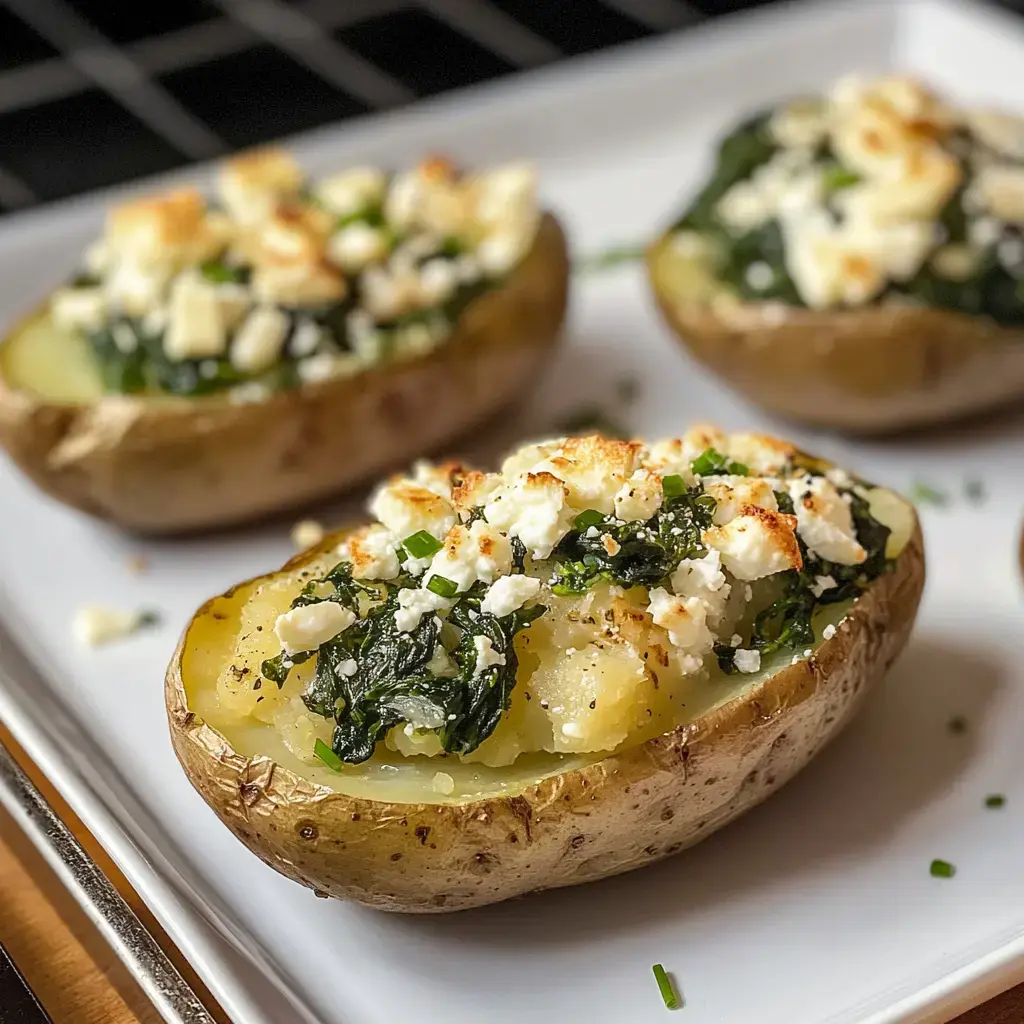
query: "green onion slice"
328, 756
665, 986
442, 587
673, 485
942, 869
589, 517
994, 801
421, 544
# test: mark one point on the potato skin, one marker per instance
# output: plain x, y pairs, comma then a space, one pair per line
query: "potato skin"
627, 810
875, 370
171, 465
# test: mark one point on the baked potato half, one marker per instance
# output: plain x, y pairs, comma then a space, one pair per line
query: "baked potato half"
212, 366
856, 260
544, 676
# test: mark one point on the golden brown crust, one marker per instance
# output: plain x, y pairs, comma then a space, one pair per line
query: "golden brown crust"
872, 370
622, 812
167, 465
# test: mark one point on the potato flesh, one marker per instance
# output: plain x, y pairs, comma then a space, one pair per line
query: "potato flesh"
51, 363
567, 662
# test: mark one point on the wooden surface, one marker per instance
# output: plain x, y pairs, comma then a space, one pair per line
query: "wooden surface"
79, 980
58, 950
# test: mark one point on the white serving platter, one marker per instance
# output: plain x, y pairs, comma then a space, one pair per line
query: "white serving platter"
818, 907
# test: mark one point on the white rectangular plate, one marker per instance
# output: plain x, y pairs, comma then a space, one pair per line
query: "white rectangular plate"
816, 907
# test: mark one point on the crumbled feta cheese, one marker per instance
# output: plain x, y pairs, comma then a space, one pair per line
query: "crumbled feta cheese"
747, 661
298, 283
413, 604
348, 668
756, 543
258, 343
79, 309
195, 329
471, 553
732, 493
684, 618
828, 632
372, 552
352, 191
250, 393
639, 497
703, 578
761, 454
305, 338
405, 508
322, 366
760, 276
438, 281
821, 584
1000, 188
534, 509
509, 593
307, 627
356, 245
306, 533
486, 656
593, 468
252, 184
94, 625
824, 521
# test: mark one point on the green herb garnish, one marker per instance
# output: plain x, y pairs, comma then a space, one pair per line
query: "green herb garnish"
837, 178
421, 544
712, 463
975, 492
665, 986
442, 587
613, 256
328, 756
673, 485
995, 801
922, 493
942, 869
587, 518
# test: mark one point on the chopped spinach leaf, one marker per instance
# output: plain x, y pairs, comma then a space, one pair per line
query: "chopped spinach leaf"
374, 676
711, 462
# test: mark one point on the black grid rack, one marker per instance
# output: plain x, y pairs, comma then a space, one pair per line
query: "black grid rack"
95, 92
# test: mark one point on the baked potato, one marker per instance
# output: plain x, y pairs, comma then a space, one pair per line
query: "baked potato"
520, 680
212, 365
856, 260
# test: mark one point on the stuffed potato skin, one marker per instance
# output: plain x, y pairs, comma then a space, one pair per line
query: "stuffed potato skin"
874, 370
170, 465
615, 814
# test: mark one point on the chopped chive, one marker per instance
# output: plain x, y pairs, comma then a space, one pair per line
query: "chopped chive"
995, 801
673, 485
942, 869
974, 491
837, 178
421, 544
613, 256
589, 517
665, 986
328, 756
442, 587
924, 494
957, 725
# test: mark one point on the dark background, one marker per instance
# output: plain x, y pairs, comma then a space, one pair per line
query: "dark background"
93, 92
